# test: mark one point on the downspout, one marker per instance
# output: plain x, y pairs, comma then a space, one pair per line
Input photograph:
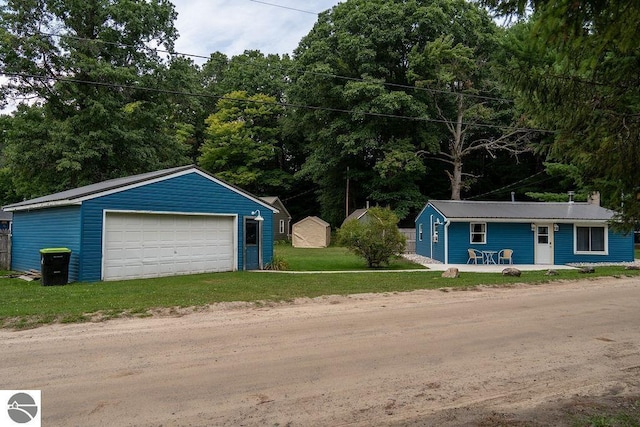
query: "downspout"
430, 237
446, 241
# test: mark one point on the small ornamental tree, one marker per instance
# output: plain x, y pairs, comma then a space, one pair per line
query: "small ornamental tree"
376, 237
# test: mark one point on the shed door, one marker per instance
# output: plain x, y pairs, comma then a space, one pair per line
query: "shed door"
154, 245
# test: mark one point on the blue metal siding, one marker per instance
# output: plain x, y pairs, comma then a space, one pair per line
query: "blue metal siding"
46, 228
620, 247
191, 193
516, 236
427, 247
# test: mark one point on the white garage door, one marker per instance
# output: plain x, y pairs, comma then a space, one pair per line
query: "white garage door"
154, 245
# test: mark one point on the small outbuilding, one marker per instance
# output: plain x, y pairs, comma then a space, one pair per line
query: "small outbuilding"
359, 214
451, 231
281, 220
169, 222
311, 232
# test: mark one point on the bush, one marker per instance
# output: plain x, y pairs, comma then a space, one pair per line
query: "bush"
375, 237
278, 263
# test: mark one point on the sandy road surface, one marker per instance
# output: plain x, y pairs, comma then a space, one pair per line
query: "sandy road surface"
419, 358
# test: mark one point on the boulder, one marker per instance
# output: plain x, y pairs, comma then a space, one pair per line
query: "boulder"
451, 273
587, 270
632, 267
511, 271
551, 273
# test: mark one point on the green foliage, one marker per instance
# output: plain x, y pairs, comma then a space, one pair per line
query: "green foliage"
89, 64
243, 144
375, 237
574, 68
278, 263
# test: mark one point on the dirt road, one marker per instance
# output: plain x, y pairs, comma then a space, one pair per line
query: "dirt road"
419, 358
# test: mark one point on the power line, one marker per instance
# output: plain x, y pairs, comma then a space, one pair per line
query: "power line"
282, 104
292, 68
509, 186
284, 7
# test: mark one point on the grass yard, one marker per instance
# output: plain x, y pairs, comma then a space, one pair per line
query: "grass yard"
332, 258
28, 304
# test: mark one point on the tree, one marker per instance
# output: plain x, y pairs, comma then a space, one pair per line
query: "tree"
357, 69
466, 99
243, 144
97, 84
376, 238
575, 68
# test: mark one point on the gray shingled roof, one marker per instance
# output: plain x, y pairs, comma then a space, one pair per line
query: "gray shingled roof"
463, 209
100, 187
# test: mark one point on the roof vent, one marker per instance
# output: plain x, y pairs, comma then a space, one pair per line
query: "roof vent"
571, 194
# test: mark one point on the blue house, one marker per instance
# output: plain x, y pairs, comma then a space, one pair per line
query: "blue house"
169, 222
536, 232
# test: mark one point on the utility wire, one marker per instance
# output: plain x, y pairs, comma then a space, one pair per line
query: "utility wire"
292, 68
282, 104
509, 186
285, 7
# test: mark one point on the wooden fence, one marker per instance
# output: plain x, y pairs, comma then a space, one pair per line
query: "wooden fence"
410, 234
5, 250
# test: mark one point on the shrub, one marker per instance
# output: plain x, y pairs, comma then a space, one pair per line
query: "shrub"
375, 237
278, 263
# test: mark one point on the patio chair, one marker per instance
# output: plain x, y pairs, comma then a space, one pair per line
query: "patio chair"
505, 255
474, 256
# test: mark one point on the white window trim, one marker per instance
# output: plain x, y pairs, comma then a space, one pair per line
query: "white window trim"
420, 233
471, 233
282, 226
575, 240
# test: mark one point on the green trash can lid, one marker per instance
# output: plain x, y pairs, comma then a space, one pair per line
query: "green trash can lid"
54, 250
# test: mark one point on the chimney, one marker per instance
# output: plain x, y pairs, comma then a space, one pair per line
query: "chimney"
367, 204
513, 196
594, 198
571, 194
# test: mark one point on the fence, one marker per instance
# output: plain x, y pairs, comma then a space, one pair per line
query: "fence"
410, 234
5, 250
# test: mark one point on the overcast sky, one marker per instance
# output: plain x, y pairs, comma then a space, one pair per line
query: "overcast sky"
233, 26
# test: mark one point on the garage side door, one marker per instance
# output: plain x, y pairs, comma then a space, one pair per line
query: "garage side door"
155, 245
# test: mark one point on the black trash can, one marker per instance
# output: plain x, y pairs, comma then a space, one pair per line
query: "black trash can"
54, 266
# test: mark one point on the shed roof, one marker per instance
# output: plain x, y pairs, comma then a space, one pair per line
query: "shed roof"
315, 219
357, 214
464, 209
78, 195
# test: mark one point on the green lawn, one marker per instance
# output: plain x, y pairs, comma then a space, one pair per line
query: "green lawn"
28, 304
332, 258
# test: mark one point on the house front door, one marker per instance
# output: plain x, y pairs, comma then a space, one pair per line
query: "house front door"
252, 244
544, 244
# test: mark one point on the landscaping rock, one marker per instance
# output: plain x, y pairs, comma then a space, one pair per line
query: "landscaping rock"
551, 273
587, 270
510, 271
451, 273
632, 267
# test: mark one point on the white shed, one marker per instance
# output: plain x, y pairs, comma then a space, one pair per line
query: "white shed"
311, 232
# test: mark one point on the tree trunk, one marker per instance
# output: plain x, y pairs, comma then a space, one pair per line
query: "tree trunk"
457, 147
456, 179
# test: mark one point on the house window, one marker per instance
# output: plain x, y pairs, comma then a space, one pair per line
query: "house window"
590, 240
478, 232
420, 232
282, 226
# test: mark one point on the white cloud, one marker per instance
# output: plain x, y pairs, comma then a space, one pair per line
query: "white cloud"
233, 26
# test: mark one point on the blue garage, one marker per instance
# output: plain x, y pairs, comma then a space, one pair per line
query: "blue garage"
169, 222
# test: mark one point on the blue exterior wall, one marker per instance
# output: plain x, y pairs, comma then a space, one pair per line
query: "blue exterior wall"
427, 247
80, 227
500, 235
517, 236
621, 248
191, 193
45, 228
